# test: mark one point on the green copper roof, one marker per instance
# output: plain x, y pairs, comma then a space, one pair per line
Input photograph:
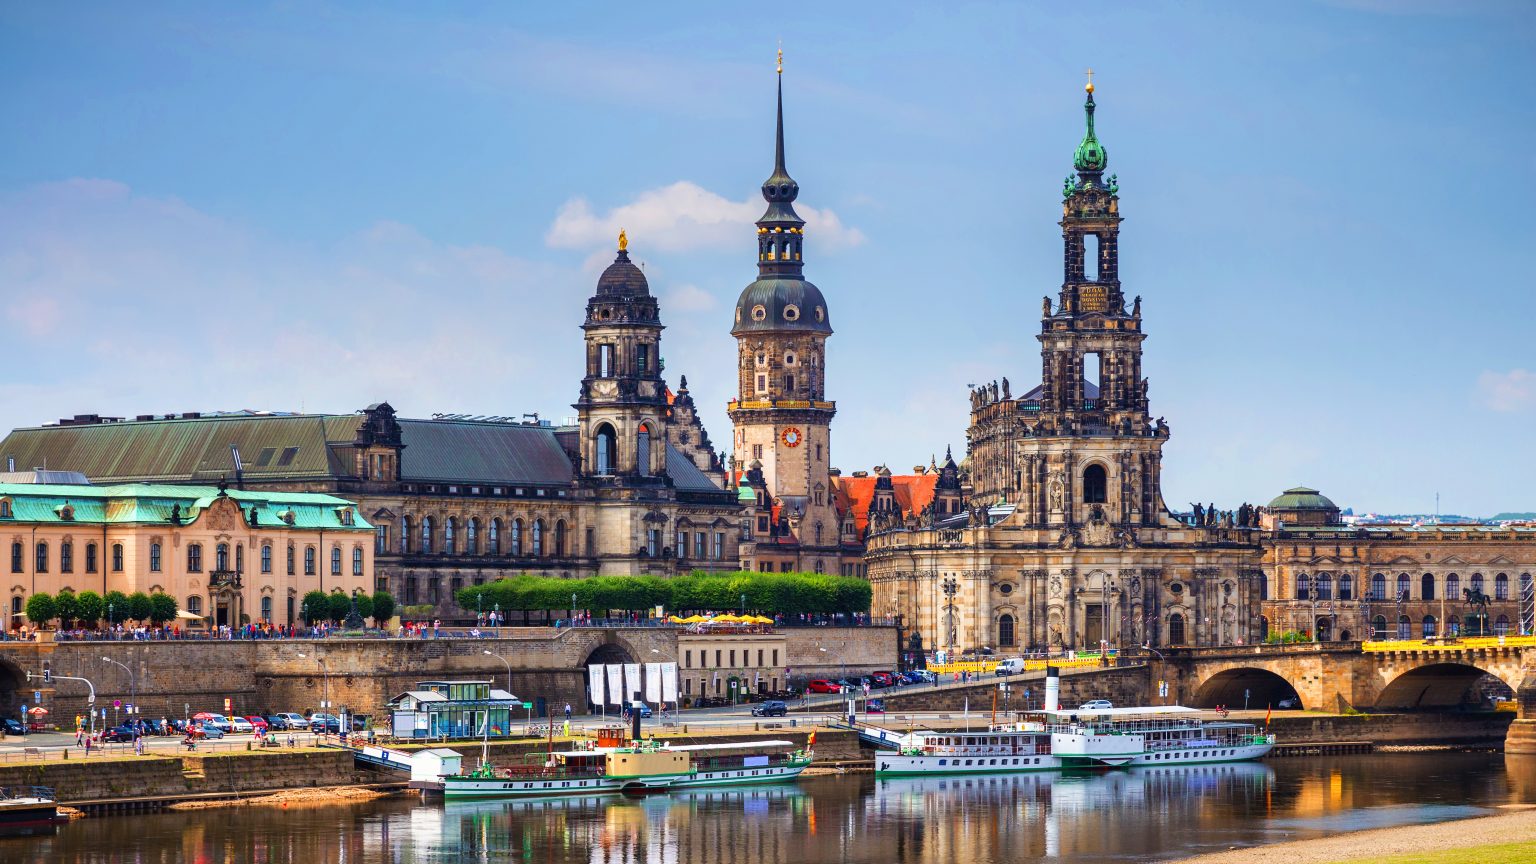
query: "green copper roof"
129, 503
1090, 155
1302, 498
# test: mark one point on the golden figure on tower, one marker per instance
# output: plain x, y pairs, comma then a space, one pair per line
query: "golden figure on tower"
623, 241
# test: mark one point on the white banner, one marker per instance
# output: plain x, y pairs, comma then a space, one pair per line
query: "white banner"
595, 684
632, 682
615, 683
653, 682
669, 682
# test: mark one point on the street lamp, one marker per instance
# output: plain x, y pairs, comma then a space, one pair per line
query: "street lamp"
325, 693
489, 653
133, 687
662, 697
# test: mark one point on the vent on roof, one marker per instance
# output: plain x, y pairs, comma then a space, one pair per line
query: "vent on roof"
192, 415
142, 417
861, 473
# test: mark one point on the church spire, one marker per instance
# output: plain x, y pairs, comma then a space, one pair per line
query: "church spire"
780, 230
1091, 157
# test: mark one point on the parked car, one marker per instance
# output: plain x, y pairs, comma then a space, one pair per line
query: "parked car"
321, 723
822, 685
259, 722
1011, 666
771, 708
276, 723
292, 720
644, 709
1096, 705
875, 706
205, 729
125, 732
14, 726
1288, 703
882, 679
240, 726
218, 720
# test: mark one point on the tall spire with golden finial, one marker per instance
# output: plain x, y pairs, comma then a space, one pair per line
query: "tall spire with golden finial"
1091, 156
623, 241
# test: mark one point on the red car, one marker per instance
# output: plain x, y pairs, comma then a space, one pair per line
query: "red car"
259, 722
822, 685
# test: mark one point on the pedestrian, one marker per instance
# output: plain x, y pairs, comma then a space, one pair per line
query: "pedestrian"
567, 712
87, 745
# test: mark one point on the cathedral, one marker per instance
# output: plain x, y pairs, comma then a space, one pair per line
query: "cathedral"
1055, 534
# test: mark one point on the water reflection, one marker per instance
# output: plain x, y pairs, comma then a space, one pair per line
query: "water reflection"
1135, 815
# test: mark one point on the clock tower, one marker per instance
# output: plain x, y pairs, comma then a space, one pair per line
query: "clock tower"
782, 416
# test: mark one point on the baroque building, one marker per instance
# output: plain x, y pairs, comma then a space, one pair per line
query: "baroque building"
782, 416
632, 488
1057, 536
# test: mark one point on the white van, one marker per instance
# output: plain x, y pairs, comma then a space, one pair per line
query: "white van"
1011, 666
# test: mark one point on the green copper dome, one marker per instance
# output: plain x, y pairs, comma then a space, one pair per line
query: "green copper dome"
1091, 155
1302, 498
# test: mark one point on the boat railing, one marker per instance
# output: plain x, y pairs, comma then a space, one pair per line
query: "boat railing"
10, 793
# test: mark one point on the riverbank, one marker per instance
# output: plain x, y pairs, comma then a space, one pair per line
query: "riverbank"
1507, 837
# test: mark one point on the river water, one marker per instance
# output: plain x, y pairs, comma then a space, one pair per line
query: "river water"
1139, 815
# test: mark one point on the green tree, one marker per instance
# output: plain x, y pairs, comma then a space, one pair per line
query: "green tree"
337, 606
41, 609
139, 606
314, 608
115, 605
89, 608
383, 607
364, 605
65, 608
162, 608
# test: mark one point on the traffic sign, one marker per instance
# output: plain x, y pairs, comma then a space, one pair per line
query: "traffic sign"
528, 705
117, 703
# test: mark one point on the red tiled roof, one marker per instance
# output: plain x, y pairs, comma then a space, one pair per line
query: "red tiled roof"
913, 493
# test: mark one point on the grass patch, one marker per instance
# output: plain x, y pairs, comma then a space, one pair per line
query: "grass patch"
1502, 853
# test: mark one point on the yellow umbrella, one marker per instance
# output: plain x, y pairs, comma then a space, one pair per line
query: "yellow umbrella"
694, 619
759, 619
727, 618
673, 619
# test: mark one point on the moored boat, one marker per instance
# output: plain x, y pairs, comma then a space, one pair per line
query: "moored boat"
27, 809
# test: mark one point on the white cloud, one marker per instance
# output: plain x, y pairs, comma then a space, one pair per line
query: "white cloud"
688, 298
1507, 392
682, 217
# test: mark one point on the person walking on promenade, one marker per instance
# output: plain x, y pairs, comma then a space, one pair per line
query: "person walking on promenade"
567, 712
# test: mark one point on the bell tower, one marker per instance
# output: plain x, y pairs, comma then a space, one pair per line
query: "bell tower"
782, 416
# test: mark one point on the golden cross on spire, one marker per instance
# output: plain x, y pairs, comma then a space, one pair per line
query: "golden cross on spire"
781, 57
1089, 73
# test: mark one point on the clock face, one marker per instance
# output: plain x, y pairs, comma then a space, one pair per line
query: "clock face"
792, 437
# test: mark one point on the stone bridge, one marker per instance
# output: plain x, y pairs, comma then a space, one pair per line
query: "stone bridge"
1334, 676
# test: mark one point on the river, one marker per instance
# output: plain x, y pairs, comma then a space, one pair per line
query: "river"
1138, 815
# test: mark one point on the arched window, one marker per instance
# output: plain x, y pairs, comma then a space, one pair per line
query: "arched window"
221, 556
42, 558
291, 569
1501, 587
449, 540
472, 537
1175, 629
560, 539
90, 557
117, 557
493, 542
1428, 627
405, 535
517, 536
1402, 585
357, 560
1477, 583
605, 447
1404, 627
1379, 592
1324, 627
1303, 587
1379, 626
1427, 586
1501, 626
1452, 626
266, 608
1263, 629
18, 552
309, 560
1346, 586
1324, 586
1453, 587
1095, 485
335, 560
538, 538
266, 557
643, 450
67, 558
195, 604
426, 535
194, 558
1263, 586
240, 558
154, 557
1005, 631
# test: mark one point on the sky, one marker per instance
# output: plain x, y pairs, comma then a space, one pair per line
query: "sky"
311, 206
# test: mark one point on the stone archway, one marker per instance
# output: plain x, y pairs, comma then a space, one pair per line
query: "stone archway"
1263, 688
14, 692
1440, 686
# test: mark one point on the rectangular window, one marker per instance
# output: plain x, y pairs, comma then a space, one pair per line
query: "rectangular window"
688, 659
733, 659
194, 558
719, 550
335, 561
682, 544
698, 544
653, 542
759, 656
266, 558
117, 557
775, 657
757, 451
309, 560
381, 540
287, 457
154, 557
357, 561
67, 558
605, 361
642, 358
762, 383
90, 557
718, 652
290, 559
42, 558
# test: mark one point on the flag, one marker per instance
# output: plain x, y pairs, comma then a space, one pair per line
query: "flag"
1267, 716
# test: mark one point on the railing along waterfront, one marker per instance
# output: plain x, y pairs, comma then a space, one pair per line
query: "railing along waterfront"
1450, 644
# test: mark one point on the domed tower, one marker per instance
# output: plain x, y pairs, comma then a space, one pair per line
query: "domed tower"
782, 417
622, 409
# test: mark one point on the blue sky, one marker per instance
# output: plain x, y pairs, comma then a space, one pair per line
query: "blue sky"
316, 206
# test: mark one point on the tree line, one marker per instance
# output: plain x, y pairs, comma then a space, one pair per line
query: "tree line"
769, 593
318, 606
88, 608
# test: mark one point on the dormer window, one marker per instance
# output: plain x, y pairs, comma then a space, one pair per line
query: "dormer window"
759, 313
66, 512
345, 515
791, 313
5, 508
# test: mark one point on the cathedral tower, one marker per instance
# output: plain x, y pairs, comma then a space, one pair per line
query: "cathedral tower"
622, 409
781, 415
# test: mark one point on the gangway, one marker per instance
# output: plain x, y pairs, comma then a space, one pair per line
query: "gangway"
886, 739
382, 757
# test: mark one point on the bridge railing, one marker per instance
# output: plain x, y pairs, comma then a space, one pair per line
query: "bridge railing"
1449, 644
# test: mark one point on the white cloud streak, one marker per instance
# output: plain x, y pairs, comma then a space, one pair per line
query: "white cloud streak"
1511, 392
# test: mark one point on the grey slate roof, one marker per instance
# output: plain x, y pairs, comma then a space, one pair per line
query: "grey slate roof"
448, 451
686, 476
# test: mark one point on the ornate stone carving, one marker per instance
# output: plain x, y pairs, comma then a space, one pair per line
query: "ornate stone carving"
1098, 531
1056, 586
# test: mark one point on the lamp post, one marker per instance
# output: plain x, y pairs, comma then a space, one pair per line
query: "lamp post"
951, 588
109, 619
662, 696
325, 694
133, 687
489, 653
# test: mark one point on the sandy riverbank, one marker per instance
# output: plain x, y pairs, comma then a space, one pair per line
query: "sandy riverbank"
1518, 826
321, 797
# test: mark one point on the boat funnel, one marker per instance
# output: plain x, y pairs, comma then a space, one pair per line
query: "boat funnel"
634, 717
1052, 688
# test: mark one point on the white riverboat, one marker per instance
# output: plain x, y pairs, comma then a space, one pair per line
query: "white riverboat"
1053, 740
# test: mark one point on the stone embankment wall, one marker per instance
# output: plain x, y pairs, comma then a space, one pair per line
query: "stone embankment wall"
173, 678
1487, 728
149, 778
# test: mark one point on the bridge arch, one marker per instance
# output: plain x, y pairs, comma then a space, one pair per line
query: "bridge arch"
14, 691
1441, 686
1264, 688
610, 651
